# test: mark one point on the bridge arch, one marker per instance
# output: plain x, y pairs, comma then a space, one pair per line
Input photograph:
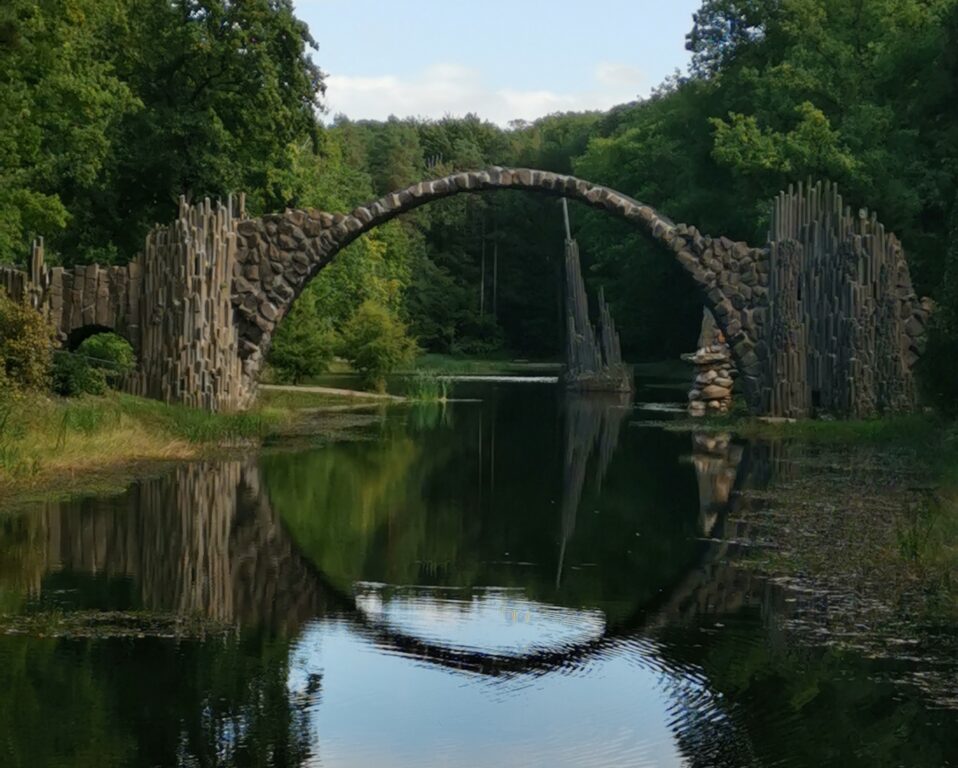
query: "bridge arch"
278, 254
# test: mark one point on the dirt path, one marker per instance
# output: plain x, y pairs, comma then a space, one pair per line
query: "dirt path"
332, 391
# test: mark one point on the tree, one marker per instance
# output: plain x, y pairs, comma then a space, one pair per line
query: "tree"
304, 342
722, 28
376, 342
26, 345
62, 103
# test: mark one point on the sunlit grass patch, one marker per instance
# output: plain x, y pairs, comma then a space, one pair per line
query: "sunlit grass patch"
450, 364
292, 399
46, 439
198, 426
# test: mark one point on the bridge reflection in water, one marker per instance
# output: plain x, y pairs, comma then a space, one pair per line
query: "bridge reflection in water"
301, 619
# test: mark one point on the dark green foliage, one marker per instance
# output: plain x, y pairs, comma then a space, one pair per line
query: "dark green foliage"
108, 352
938, 367
73, 375
61, 103
99, 361
303, 345
211, 96
121, 106
376, 342
26, 342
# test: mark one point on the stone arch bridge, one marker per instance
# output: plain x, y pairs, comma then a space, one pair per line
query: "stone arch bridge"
822, 315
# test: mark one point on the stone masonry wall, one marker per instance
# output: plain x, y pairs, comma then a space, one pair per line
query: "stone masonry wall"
173, 303
279, 254
824, 312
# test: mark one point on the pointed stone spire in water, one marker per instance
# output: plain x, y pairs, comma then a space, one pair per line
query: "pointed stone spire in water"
593, 359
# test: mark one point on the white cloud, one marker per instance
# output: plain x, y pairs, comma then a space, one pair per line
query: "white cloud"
616, 75
449, 89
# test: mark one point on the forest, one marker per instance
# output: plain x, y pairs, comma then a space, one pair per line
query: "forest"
208, 97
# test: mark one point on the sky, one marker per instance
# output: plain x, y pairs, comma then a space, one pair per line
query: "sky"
501, 59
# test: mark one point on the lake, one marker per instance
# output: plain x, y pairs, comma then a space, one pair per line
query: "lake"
517, 578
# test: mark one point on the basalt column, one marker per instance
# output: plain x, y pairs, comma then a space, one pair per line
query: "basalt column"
846, 324
189, 348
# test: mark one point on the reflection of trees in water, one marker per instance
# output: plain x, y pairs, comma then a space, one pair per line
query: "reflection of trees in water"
152, 702
206, 540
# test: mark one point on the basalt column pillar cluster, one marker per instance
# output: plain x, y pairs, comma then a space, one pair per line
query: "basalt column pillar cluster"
823, 317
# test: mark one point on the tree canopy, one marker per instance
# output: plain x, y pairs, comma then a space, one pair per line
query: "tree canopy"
120, 107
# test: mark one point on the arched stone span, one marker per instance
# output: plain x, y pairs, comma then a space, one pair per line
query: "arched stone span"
278, 254
824, 315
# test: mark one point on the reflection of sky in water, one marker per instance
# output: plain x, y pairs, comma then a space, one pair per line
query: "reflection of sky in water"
611, 709
494, 621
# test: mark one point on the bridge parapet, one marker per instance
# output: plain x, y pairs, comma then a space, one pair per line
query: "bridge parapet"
77, 297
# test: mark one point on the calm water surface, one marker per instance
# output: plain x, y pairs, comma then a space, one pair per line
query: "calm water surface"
527, 580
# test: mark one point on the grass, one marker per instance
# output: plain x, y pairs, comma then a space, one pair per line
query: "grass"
907, 462
428, 387
88, 442
44, 439
292, 400
450, 364
923, 446
199, 427
908, 430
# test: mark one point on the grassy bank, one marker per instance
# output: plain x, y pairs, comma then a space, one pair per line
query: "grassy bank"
885, 489
911, 429
449, 364
930, 439
926, 431
876, 498
50, 442
56, 445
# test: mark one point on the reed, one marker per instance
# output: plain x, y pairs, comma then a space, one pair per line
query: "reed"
50, 441
428, 387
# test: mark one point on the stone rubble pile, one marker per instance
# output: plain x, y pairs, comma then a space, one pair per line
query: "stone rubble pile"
711, 390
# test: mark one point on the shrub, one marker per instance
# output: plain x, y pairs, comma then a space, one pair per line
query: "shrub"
109, 353
938, 368
99, 361
73, 375
375, 342
26, 345
303, 345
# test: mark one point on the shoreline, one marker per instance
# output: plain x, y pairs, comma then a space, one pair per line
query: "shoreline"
54, 448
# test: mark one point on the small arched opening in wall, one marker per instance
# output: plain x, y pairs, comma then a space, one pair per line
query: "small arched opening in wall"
78, 335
